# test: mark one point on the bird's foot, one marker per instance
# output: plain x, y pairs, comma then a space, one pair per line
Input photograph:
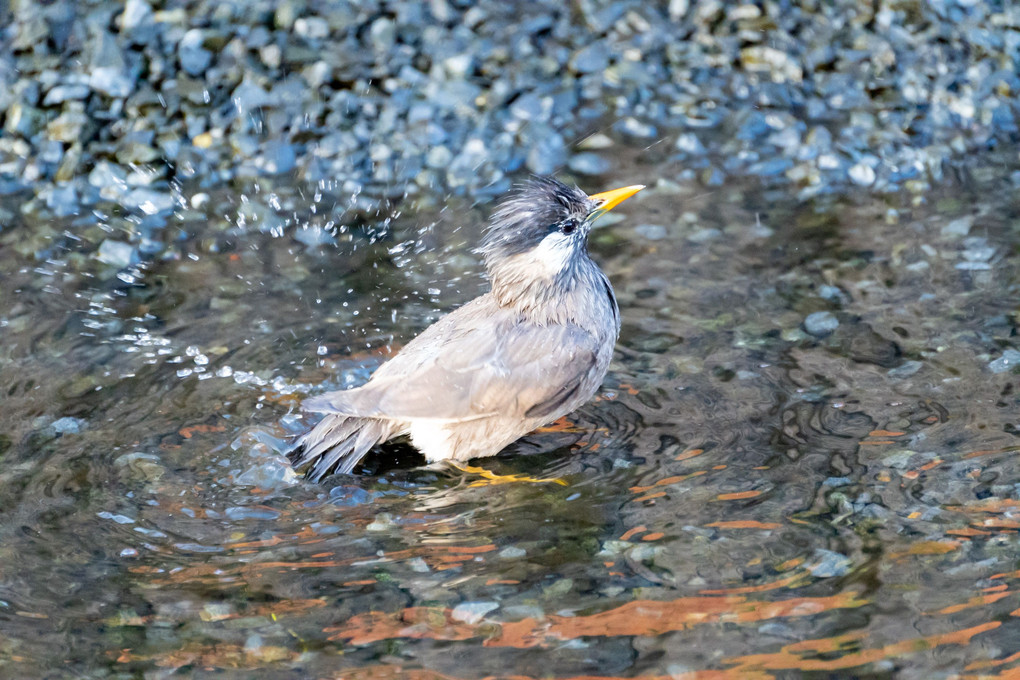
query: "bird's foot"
491, 478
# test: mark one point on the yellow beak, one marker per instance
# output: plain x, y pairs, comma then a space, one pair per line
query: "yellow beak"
608, 200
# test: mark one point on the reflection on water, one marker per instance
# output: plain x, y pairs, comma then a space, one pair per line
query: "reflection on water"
803, 459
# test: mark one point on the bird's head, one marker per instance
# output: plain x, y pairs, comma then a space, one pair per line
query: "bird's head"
538, 235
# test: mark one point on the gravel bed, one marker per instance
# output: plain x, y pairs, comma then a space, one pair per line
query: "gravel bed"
123, 104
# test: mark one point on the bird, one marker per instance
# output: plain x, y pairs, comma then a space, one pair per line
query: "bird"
533, 348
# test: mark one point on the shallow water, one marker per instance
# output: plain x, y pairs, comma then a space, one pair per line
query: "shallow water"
744, 498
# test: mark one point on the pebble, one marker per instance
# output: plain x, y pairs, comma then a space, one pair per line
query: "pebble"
820, 324
862, 175
148, 201
958, 227
62, 200
512, 552
632, 127
194, 58
313, 235
548, 155
587, 163
689, 143
1008, 362
652, 232
68, 425
472, 612
117, 253
829, 564
136, 13
591, 59
428, 87
111, 81
63, 93
905, 370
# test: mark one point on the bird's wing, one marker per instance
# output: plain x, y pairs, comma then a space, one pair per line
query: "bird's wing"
475, 363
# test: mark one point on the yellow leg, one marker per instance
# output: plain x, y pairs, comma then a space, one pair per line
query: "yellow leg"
494, 479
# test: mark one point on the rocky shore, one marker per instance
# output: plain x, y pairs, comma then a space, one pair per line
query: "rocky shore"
118, 104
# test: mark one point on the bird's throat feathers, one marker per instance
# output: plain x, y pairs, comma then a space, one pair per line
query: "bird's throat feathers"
549, 284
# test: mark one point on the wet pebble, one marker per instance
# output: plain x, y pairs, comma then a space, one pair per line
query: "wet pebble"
689, 143
1008, 362
587, 163
136, 13
820, 324
652, 232
976, 249
828, 564
472, 612
905, 370
547, 155
389, 100
244, 512
512, 552
862, 175
68, 425
594, 57
634, 128
117, 253
148, 201
195, 59
958, 227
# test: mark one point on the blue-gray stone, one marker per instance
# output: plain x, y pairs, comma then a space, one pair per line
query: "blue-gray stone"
905, 370
548, 155
472, 612
112, 81
531, 107
148, 201
861, 174
278, 157
313, 235
632, 127
689, 143
63, 200
1009, 361
770, 167
62, 93
586, 163
829, 564
958, 227
383, 33
68, 425
106, 174
652, 232
821, 324
591, 59
136, 13
117, 253
241, 512
194, 58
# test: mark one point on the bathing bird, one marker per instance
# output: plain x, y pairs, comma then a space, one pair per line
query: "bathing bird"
532, 349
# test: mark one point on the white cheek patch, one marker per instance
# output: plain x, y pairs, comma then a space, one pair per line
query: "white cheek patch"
552, 254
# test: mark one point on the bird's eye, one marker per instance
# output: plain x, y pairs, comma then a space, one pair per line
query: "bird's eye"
568, 227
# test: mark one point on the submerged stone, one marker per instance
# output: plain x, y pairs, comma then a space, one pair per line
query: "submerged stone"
821, 324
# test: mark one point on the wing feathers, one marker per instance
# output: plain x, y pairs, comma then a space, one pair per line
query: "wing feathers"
480, 361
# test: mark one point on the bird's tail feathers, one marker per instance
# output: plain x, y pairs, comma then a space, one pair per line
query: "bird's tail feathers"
337, 441
325, 403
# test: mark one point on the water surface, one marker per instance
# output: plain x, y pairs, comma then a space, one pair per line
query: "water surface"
803, 458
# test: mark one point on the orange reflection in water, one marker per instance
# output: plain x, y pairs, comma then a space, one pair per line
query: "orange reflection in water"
641, 617
803, 655
401, 673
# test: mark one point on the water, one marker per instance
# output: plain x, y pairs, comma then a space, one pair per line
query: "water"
744, 498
